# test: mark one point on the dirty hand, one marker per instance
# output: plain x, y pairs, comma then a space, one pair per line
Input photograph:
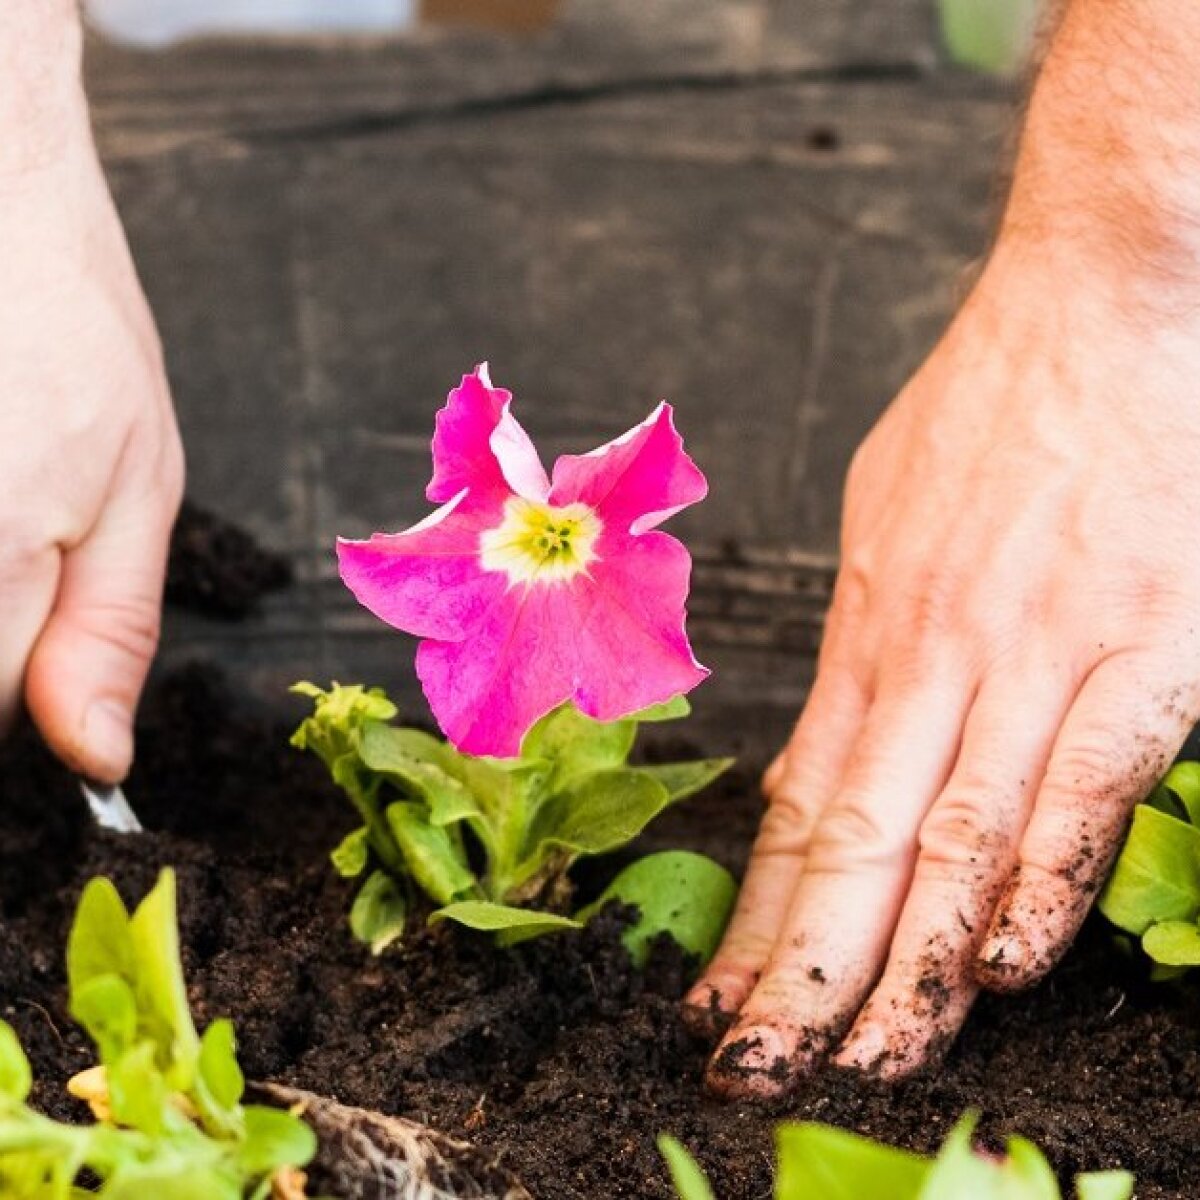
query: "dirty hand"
90, 462
1012, 656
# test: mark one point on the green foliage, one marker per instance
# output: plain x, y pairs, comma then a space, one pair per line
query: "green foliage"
171, 1122
818, 1160
487, 841
1154, 890
677, 892
994, 36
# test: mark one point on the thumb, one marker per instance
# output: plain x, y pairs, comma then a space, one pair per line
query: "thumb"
89, 665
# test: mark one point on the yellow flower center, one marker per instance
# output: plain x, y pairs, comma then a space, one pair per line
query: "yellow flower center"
541, 543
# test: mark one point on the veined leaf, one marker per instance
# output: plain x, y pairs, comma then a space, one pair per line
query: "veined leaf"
605, 811
575, 745
1173, 943
677, 892
492, 918
384, 750
687, 778
1157, 875
379, 912
350, 855
432, 857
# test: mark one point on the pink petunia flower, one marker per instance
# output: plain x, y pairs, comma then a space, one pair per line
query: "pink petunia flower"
530, 590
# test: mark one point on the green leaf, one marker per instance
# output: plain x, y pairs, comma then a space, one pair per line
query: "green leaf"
432, 857
575, 745
107, 1008
1105, 1185
16, 1078
1173, 943
685, 1171
958, 1171
607, 810
350, 855
677, 892
274, 1139
1157, 875
669, 710
1183, 779
383, 750
382, 743
492, 918
220, 1074
1025, 1173
819, 1161
379, 912
161, 991
687, 778
100, 942
138, 1091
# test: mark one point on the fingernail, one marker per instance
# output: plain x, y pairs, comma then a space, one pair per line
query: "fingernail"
703, 1014
1003, 954
758, 1050
863, 1049
108, 736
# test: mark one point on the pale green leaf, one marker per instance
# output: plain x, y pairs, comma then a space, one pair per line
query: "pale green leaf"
669, 710
958, 1171
382, 750
1173, 943
820, 1161
1183, 779
687, 778
16, 1079
677, 892
493, 918
379, 912
220, 1074
1157, 875
606, 810
686, 1175
575, 745
1025, 1174
161, 992
100, 942
350, 855
431, 855
107, 1008
1105, 1185
274, 1139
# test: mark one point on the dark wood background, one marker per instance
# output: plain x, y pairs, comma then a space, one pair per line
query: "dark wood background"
761, 210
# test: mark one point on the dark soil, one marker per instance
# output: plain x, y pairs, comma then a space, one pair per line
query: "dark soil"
559, 1053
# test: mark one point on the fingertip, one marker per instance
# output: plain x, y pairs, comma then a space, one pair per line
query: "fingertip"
705, 1011
753, 1062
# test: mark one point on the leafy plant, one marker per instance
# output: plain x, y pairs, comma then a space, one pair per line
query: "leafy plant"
490, 840
1154, 890
821, 1161
170, 1122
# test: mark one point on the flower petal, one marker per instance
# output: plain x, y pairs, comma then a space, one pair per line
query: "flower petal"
612, 640
636, 481
478, 444
427, 580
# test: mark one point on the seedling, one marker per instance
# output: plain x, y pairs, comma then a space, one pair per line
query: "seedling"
1154, 890
821, 1161
550, 612
430, 814
167, 1101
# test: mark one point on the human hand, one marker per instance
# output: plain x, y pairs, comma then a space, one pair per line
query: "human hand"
1012, 659
90, 460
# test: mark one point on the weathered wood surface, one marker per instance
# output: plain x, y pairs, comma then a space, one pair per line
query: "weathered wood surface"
762, 211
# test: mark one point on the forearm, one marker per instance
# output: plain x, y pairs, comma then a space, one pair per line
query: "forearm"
1108, 172
43, 114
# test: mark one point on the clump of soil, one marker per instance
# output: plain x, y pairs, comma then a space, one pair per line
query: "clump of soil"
217, 569
558, 1054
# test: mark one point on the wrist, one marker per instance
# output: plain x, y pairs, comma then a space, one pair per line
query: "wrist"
43, 112
1106, 192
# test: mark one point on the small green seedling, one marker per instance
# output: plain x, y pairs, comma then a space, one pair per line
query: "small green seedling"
1154, 890
821, 1161
169, 1118
489, 841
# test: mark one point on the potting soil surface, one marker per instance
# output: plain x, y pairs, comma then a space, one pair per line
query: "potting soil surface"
559, 1053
